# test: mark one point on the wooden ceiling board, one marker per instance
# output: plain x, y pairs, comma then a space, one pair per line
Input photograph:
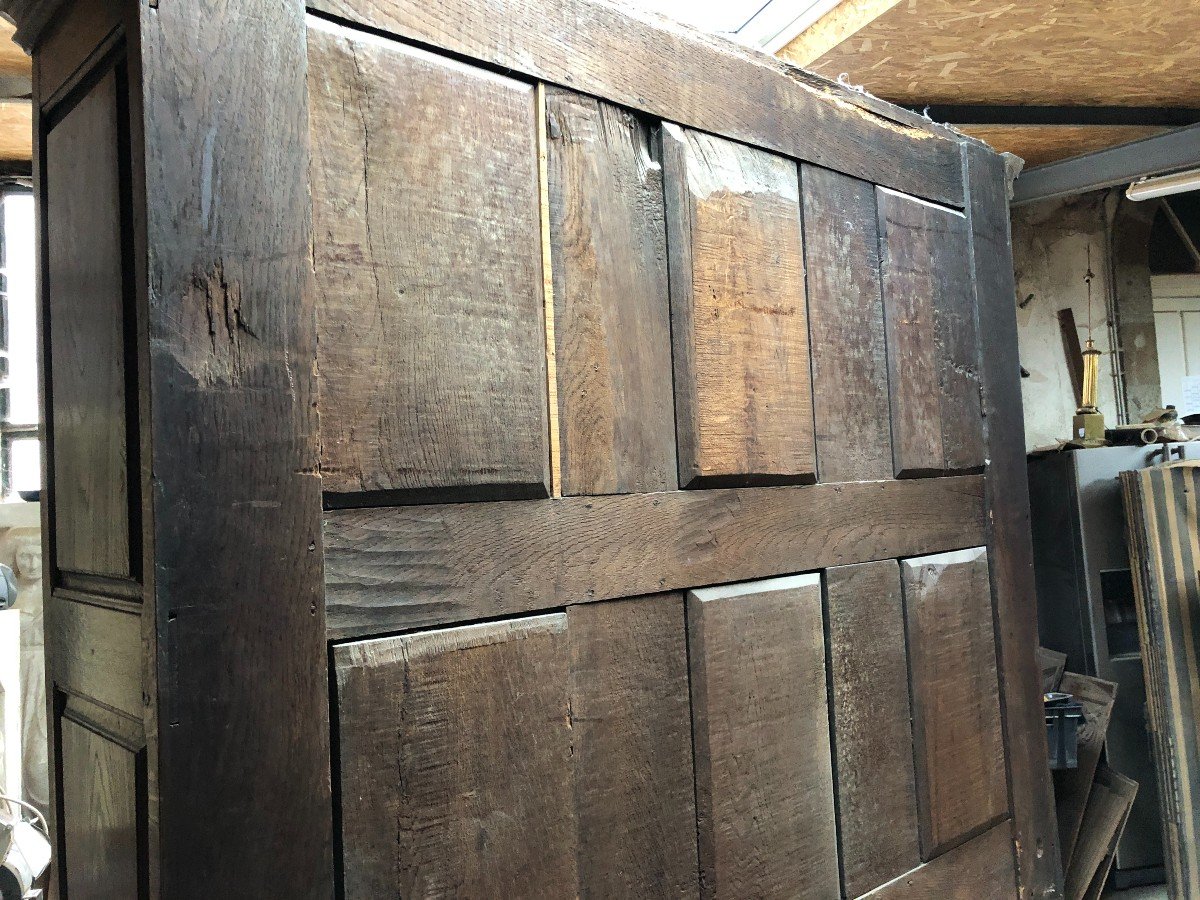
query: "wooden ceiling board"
16, 131
1065, 52
1041, 144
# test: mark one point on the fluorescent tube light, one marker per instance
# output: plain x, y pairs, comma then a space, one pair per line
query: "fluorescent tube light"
1163, 185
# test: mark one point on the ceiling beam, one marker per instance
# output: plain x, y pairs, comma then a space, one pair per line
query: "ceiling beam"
1170, 152
990, 114
837, 26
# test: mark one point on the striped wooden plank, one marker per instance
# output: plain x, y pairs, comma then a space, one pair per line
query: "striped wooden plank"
1164, 538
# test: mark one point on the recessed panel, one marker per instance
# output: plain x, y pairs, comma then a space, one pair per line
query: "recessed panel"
86, 313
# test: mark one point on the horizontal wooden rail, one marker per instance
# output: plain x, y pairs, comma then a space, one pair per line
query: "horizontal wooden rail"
398, 568
683, 76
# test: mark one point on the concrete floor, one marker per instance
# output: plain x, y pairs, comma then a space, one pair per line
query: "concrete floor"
1157, 892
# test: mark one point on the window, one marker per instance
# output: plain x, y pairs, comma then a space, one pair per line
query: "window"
20, 466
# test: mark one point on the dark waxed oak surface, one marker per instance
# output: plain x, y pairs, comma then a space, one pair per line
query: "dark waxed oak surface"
412, 567
631, 728
484, 308
764, 778
980, 869
599, 50
99, 791
589, 790
460, 784
871, 717
743, 389
959, 745
85, 299
1010, 556
845, 319
611, 306
933, 353
435, 228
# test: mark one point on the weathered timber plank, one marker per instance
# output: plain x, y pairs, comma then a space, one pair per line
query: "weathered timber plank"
980, 869
654, 66
455, 750
85, 299
410, 567
764, 779
1072, 787
933, 364
845, 319
99, 787
631, 728
1035, 831
1108, 806
876, 788
743, 388
238, 654
611, 303
431, 353
959, 743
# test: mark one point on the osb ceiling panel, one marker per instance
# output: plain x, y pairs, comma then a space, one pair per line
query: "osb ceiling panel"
1041, 144
1055, 52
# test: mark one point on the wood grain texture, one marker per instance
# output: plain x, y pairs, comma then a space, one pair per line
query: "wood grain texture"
1133, 52
459, 783
764, 780
239, 656
632, 738
412, 567
96, 652
1010, 548
612, 307
980, 869
743, 388
962, 785
845, 320
653, 65
876, 786
933, 351
1108, 806
1073, 787
1163, 519
431, 356
85, 302
99, 787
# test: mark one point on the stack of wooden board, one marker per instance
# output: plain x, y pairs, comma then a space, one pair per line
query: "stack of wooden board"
1092, 800
1160, 509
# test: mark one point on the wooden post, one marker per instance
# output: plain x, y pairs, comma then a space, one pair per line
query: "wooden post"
187, 656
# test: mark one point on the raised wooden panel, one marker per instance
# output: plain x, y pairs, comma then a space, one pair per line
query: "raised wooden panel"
99, 797
845, 319
630, 712
876, 789
412, 567
980, 869
933, 352
611, 306
455, 750
743, 390
959, 745
764, 779
97, 652
86, 321
431, 341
